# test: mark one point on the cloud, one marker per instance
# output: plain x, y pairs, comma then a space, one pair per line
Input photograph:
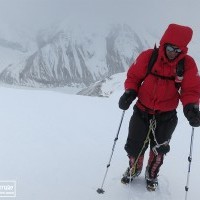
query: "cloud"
36, 14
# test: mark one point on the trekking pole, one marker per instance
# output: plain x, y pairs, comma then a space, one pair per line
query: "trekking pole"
100, 190
190, 161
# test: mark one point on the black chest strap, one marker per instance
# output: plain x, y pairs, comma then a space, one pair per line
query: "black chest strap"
179, 68
172, 78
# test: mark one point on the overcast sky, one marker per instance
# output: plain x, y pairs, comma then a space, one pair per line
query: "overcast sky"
34, 14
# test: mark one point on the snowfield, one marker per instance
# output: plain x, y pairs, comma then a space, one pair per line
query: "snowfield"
56, 146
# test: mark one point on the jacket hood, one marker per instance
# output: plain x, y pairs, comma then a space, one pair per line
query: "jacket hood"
177, 35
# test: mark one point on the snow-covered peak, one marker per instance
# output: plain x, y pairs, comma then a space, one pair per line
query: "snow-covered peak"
77, 56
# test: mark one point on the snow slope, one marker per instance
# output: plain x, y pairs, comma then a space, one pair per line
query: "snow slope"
57, 146
105, 87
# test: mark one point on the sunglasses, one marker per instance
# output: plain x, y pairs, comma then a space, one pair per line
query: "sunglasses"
173, 49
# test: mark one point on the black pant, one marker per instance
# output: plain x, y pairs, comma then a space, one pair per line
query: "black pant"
139, 127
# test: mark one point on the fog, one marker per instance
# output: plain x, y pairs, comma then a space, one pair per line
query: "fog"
155, 15
37, 14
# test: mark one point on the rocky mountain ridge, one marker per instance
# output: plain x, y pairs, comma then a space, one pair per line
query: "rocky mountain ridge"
67, 57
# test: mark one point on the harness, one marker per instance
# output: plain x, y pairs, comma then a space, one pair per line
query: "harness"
152, 127
155, 149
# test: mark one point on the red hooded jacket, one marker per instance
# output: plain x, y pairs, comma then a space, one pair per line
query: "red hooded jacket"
159, 94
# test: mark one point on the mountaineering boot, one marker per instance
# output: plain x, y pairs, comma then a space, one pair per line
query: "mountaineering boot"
129, 175
151, 183
133, 170
152, 169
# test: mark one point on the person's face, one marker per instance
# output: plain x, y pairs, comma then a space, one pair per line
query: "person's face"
172, 51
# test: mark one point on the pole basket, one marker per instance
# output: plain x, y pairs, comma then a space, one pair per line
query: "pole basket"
100, 191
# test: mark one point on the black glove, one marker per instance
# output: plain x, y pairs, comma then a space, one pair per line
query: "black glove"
192, 113
126, 99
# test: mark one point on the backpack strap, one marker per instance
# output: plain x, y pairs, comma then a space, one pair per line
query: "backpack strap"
152, 60
151, 63
172, 78
179, 68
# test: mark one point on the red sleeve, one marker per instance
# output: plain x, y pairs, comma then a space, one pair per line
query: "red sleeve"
190, 85
137, 71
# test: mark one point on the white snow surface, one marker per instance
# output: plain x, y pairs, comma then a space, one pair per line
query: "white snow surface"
57, 146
